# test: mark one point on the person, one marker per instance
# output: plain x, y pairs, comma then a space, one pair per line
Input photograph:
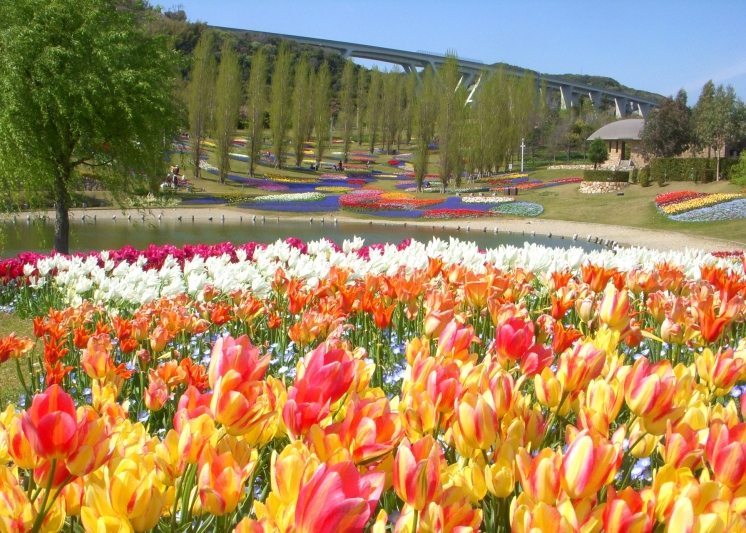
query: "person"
367, 164
176, 179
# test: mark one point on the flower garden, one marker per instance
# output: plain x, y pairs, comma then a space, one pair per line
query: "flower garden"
690, 206
427, 387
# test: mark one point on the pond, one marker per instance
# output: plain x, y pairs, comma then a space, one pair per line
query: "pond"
113, 234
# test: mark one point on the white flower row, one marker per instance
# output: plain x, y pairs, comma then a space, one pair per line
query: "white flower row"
291, 197
78, 278
487, 199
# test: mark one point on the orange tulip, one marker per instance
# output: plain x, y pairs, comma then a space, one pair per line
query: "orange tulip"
14, 347
51, 424
417, 470
238, 355
156, 394
221, 480
159, 338
96, 357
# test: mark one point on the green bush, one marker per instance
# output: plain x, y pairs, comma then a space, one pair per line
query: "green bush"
645, 176
634, 176
606, 175
687, 169
738, 171
708, 175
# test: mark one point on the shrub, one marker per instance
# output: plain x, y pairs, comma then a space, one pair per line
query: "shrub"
645, 176
738, 171
634, 175
708, 175
688, 169
606, 175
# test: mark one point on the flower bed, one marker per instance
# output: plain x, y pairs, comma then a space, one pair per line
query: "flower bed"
330, 203
519, 209
336, 177
427, 387
287, 179
446, 214
683, 203
732, 210
357, 181
487, 199
670, 198
291, 197
376, 200
334, 188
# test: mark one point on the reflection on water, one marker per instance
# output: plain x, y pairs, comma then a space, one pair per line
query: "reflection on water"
113, 234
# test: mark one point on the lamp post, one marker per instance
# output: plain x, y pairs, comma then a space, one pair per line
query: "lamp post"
523, 145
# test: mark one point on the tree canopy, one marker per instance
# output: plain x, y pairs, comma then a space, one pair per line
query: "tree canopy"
597, 152
81, 85
668, 129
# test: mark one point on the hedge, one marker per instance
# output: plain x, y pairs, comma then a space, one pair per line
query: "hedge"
645, 176
688, 169
606, 175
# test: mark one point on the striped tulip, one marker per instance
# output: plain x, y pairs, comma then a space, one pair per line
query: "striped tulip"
629, 511
540, 475
578, 367
417, 470
337, 498
614, 310
649, 392
221, 480
590, 463
477, 419
51, 424
726, 453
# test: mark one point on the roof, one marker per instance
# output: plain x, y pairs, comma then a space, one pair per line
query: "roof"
621, 130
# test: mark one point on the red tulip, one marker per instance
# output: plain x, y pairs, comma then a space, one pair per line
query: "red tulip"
51, 424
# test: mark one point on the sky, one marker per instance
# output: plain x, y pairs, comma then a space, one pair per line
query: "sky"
655, 45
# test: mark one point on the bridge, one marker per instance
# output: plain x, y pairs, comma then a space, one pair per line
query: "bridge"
471, 70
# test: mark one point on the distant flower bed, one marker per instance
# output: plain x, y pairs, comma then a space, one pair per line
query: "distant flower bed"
239, 157
288, 179
487, 199
732, 210
674, 205
333, 188
273, 187
445, 214
357, 181
671, 198
377, 200
519, 209
291, 197
338, 177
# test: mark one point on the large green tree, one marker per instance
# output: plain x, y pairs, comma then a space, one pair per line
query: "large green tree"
451, 121
322, 113
425, 117
597, 152
200, 93
81, 85
373, 102
668, 129
256, 103
228, 96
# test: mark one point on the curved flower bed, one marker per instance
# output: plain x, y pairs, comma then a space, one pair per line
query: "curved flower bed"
330, 203
732, 210
336, 177
377, 200
446, 214
487, 199
520, 209
671, 198
684, 203
310, 387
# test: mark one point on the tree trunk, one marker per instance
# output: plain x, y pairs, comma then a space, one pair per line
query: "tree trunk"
62, 218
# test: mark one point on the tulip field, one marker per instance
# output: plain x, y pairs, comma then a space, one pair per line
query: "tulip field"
306, 387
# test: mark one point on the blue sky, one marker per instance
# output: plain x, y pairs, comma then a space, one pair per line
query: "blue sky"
655, 45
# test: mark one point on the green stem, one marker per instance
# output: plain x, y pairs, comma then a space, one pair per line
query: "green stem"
414, 522
40, 516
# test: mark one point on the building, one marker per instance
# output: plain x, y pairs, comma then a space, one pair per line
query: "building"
623, 142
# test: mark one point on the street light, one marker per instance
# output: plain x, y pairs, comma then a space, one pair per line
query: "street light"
523, 145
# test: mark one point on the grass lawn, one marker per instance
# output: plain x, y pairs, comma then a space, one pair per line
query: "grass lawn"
10, 385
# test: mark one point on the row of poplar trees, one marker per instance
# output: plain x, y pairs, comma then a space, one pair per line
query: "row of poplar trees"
385, 109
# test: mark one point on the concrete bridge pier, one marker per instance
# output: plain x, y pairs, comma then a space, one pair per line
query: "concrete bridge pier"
566, 96
621, 106
595, 97
643, 109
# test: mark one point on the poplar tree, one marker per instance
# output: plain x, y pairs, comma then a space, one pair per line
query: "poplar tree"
347, 106
361, 103
229, 95
199, 95
302, 107
280, 109
391, 105
451, 121
425, 116
322, 109
410, 87
374, 106
257, 104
